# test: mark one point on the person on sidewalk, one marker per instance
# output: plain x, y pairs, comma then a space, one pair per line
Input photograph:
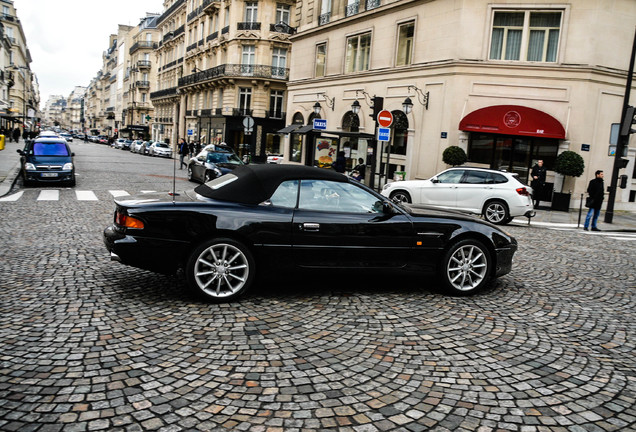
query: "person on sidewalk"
596, 191
538, 181
16, 134
183, 152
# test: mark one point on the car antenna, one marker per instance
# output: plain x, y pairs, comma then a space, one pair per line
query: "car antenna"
174, 179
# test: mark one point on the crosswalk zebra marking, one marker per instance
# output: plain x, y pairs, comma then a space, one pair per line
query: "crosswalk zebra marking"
86, 196
14, 197
118, 193
49, 195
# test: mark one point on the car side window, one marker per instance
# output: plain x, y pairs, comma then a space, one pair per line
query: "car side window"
337, 197
453, 176
498, 178
285, 195
475, 177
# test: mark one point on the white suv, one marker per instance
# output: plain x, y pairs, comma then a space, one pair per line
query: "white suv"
498, 195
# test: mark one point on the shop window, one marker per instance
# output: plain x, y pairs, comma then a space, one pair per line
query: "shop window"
525, 35
358, 51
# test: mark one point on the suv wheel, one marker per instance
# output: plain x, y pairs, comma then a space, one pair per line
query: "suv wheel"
496, 212
401, 197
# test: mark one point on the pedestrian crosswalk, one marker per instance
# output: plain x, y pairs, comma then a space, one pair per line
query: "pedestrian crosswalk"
79, 195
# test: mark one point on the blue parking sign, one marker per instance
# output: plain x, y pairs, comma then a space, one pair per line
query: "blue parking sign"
384, 134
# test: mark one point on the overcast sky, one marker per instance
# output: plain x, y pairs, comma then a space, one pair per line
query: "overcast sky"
67, 37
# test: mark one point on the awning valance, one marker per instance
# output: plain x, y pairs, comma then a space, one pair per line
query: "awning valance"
513, 120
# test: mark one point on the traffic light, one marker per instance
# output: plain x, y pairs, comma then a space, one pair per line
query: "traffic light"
378, 105
628, 121
622, 181
622, 163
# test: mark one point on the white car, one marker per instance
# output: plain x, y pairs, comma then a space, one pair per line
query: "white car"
67, 136
275, 159
497, 195
160, 149
136, 146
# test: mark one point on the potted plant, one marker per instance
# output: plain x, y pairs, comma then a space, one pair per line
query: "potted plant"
454, 156
571, 164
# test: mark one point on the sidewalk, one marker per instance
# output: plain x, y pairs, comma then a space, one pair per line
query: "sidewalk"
9, 165
623, 221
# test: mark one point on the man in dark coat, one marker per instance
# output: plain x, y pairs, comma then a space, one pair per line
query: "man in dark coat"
596, 191
16, 134
538, 181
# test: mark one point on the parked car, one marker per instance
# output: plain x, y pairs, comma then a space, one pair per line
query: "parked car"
275, 159
497, 195
126, 144
67, 136
212, 162
135, 147
264, 216
145, 147
158, 148
47, 160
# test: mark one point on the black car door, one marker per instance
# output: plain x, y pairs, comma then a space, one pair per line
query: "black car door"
342, 225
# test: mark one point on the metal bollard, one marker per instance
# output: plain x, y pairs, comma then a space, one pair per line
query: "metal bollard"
580, 211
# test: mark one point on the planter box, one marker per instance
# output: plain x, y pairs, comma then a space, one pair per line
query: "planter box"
561, 201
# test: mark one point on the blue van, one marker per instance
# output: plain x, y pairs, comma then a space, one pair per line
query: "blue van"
47, 160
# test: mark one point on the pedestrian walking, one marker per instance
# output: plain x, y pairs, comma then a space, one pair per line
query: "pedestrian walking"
596, 192
184, 150
16, 134
538, 181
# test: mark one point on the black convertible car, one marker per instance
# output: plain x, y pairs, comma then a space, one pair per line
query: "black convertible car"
264, 217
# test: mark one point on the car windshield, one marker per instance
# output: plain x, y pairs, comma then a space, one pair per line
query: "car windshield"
50, 149
228, 158
162, 145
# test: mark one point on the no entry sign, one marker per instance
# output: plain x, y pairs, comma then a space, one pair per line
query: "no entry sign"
385, 118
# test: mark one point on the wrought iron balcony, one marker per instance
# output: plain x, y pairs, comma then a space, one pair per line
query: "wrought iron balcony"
287, 30
142, 45
324, 18
172, 91
352, 9
176, 5
241, 112
142, 84
144, 64
212, 36
191, 47
248, 25
235, 70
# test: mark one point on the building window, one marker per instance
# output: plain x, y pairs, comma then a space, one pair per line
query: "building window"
282, 13
279, 62
276, 103
321, 58
251, 12
358, 50
525, 36
248, 59
245, 100
405, 44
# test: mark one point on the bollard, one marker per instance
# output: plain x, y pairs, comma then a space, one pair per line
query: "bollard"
1, 142
578, 225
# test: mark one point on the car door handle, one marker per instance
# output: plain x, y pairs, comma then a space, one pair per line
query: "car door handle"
310, 227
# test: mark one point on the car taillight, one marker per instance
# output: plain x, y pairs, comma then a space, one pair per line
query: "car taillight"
128, 221
523, 191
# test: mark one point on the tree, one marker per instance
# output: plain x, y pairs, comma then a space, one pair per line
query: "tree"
569, 163
454, 156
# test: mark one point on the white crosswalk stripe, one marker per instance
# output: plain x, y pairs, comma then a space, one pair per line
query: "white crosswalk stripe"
86, 196
13, 197
49, 195
118, 193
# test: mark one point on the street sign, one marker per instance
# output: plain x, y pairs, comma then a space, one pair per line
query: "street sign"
320, 124
384, 134
190, 132
248, 122
385, 118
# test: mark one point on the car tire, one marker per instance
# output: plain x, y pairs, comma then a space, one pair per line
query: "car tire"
496, 212
190, 174
221, 269
466, 267
401, 197
71, 183
208, 176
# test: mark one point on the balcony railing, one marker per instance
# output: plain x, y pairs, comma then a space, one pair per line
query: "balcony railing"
352, 9
191, 47
172, 91
248, 25
288, 30
143, 64
209, 5
142, 84
170, 10
240, 112
324, 18
372, 4
142, 45
225, 30
235, 70
212, 36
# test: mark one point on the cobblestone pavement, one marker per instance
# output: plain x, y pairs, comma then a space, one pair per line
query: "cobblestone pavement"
91, 345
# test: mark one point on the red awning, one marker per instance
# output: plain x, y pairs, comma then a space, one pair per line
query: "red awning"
513, 120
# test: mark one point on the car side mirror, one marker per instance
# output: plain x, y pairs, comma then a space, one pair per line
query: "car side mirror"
434, 180
387, 208
20, 152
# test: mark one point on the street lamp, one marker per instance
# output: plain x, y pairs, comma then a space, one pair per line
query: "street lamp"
422, 98
317, 108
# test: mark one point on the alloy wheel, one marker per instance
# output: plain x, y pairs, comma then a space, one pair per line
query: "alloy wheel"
467, 267
496, 212
222, 270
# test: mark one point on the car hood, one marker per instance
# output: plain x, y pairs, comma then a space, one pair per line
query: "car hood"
48, 160
157, 198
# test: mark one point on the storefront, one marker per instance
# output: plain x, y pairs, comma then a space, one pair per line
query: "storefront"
512, 138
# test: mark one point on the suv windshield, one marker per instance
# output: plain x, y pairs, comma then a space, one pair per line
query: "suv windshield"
49, 149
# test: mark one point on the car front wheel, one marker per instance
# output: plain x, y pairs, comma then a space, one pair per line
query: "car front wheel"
190, 173
466, 267
401, 197
221, 269
496, 212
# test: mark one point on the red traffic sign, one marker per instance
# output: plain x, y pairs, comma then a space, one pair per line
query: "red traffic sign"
385, 118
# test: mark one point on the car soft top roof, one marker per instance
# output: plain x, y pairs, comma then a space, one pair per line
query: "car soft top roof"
256, 183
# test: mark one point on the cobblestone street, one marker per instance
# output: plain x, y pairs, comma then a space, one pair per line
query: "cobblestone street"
87, 344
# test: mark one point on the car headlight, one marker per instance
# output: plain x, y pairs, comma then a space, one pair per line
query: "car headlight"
67, 166
386, 186
29, 166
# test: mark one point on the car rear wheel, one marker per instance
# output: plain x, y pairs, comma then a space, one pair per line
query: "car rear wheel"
221, 269
208, 177
190, 173
401, 197
466, 267
496, 212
